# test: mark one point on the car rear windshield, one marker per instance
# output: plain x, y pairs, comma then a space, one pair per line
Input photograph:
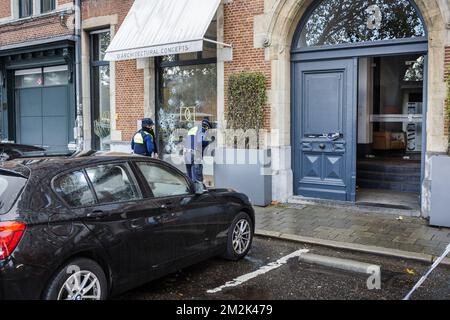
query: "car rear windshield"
10, 189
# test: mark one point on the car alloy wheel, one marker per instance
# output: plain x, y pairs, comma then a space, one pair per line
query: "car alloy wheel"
82, 285
241, 236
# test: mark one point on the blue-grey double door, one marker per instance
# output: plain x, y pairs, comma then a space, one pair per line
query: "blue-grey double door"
324, 129
42, 117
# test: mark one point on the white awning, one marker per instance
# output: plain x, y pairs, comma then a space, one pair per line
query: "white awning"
162, 27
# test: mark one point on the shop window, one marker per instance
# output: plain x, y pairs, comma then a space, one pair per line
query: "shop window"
48, 5
25, 8
100, 90
187, 92
351, 21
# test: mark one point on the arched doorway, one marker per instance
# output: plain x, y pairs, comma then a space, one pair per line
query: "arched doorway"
358, 100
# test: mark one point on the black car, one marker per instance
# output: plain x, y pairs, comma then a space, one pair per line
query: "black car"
91, 227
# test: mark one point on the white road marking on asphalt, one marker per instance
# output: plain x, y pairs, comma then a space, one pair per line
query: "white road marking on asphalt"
271, 266
422, 280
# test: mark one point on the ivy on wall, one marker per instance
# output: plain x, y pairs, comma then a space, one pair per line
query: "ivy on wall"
247, 97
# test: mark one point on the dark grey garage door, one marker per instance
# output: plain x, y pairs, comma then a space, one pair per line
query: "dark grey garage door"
42, 108
324, 128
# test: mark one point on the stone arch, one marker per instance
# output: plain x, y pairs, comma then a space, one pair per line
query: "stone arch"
280, 21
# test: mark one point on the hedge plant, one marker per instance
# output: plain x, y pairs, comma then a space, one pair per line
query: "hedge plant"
247, 97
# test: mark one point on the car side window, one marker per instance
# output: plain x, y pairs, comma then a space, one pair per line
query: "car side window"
112, 183
74, 189
163, 182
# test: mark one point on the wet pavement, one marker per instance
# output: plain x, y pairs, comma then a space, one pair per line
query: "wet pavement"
354, 226
295, 280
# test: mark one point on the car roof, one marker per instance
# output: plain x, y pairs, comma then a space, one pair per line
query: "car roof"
52, 166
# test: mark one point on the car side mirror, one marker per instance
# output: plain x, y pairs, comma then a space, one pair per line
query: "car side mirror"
200, 188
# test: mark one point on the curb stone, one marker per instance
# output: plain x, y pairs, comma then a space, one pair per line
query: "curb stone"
353, 247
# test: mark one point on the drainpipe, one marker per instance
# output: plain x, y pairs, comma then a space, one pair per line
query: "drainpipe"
79, 96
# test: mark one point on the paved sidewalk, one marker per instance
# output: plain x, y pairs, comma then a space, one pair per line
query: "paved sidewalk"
346, 225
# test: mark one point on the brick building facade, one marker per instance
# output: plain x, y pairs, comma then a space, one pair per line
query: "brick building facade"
261, 32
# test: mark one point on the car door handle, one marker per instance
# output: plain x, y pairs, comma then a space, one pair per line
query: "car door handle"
98, 214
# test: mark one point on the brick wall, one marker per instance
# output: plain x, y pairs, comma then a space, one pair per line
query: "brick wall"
129, 80
5, 8
34, 29
238, 20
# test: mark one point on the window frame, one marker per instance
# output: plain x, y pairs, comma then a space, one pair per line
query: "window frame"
170, 169
53, 7
94, 89
42, 74
367, 44
20, 4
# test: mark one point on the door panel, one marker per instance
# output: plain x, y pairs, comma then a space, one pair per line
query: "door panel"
43, 117
190, 220
322, 112
31, 133
324, 103
55, 118
29, 105
191, 225
30, 102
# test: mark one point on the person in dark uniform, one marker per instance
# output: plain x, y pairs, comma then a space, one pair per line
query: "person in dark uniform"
144, 141
195, 145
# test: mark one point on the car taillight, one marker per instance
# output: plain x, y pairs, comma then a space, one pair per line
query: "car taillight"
10, 234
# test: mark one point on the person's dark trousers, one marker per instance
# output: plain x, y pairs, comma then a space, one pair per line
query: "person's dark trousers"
189, 170
195, 172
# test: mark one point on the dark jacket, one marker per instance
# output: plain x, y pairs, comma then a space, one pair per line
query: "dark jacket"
143, 143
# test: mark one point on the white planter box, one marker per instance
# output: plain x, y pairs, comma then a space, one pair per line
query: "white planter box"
440, 191
246, 171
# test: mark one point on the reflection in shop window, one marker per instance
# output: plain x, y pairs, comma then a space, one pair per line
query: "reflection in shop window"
189, 94
350, 21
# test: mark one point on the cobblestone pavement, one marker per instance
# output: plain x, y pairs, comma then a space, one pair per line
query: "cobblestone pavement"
353, 226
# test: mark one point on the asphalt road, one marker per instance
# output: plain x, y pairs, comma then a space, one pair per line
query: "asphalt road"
295, 280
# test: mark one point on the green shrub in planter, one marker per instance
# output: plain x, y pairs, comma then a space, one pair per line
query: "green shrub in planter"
247, 97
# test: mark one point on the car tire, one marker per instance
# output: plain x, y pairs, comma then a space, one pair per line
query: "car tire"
79, 268
233, 252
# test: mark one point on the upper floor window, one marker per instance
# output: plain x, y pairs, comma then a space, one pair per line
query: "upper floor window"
48, 5
334, 22
25, 8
